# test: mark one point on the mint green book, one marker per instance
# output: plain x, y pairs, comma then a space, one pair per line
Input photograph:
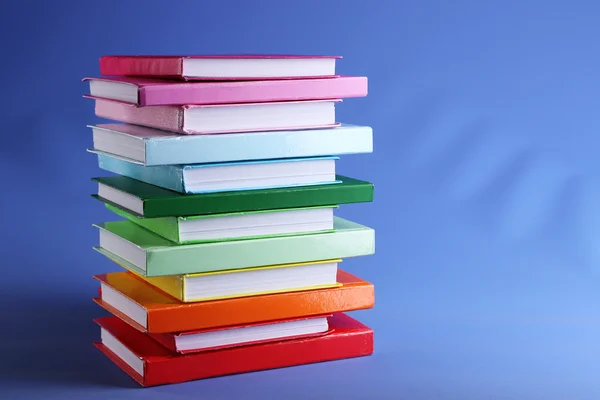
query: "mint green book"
141, 251
236, 225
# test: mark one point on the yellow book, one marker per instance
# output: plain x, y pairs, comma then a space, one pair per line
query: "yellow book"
248, 281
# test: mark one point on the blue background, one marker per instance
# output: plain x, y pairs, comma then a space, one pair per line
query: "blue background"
487, 210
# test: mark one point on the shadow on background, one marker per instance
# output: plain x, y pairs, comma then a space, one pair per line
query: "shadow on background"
49, 340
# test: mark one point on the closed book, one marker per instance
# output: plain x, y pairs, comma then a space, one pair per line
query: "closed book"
151, 364
145, 200
243, 335
148, 146
148, 254
149, 309
224, 118
219, 67
232, 176
158, 92
245, 282
241, 225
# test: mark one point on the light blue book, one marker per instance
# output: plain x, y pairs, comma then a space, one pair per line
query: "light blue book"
225, 177
147, 146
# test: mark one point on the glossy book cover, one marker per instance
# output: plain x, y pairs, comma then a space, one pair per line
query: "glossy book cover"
151, 364
160, 312
154, 201
150, 147
148, 254
156, 92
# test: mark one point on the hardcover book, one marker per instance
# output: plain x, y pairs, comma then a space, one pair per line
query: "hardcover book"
148, 146
150, 364
233, 176
219, 67
149, 309
231, 226
243, 335
145, 200
246, 282
148, 254
161, 92
224, 118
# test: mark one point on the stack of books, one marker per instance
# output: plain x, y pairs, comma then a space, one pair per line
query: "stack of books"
223, 179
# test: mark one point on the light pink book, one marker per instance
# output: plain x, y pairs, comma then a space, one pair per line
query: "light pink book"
157, 92
224, 118
219, 67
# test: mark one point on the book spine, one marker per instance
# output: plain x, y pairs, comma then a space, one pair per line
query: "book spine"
167, 340
165, 176
166, 227
172, 284
141, 66
169, 118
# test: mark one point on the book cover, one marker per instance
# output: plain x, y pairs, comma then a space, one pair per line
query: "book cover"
148, 254
155, 92
220, 66
175, 177
170, 229
175, 285
152, 147
175, 118
145, 200
161, 313
150, 364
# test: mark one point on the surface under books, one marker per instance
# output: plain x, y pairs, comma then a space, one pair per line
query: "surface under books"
219, 177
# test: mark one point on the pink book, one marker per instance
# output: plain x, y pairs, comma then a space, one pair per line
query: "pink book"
220, 67
156, 92
225, 118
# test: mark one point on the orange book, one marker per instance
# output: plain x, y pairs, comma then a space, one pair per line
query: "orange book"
148, 309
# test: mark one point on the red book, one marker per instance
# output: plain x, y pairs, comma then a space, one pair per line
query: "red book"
220, 67
150, 364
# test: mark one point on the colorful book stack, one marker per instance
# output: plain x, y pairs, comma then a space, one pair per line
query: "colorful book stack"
224, 182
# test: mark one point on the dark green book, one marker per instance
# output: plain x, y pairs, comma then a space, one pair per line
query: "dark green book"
144, 200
